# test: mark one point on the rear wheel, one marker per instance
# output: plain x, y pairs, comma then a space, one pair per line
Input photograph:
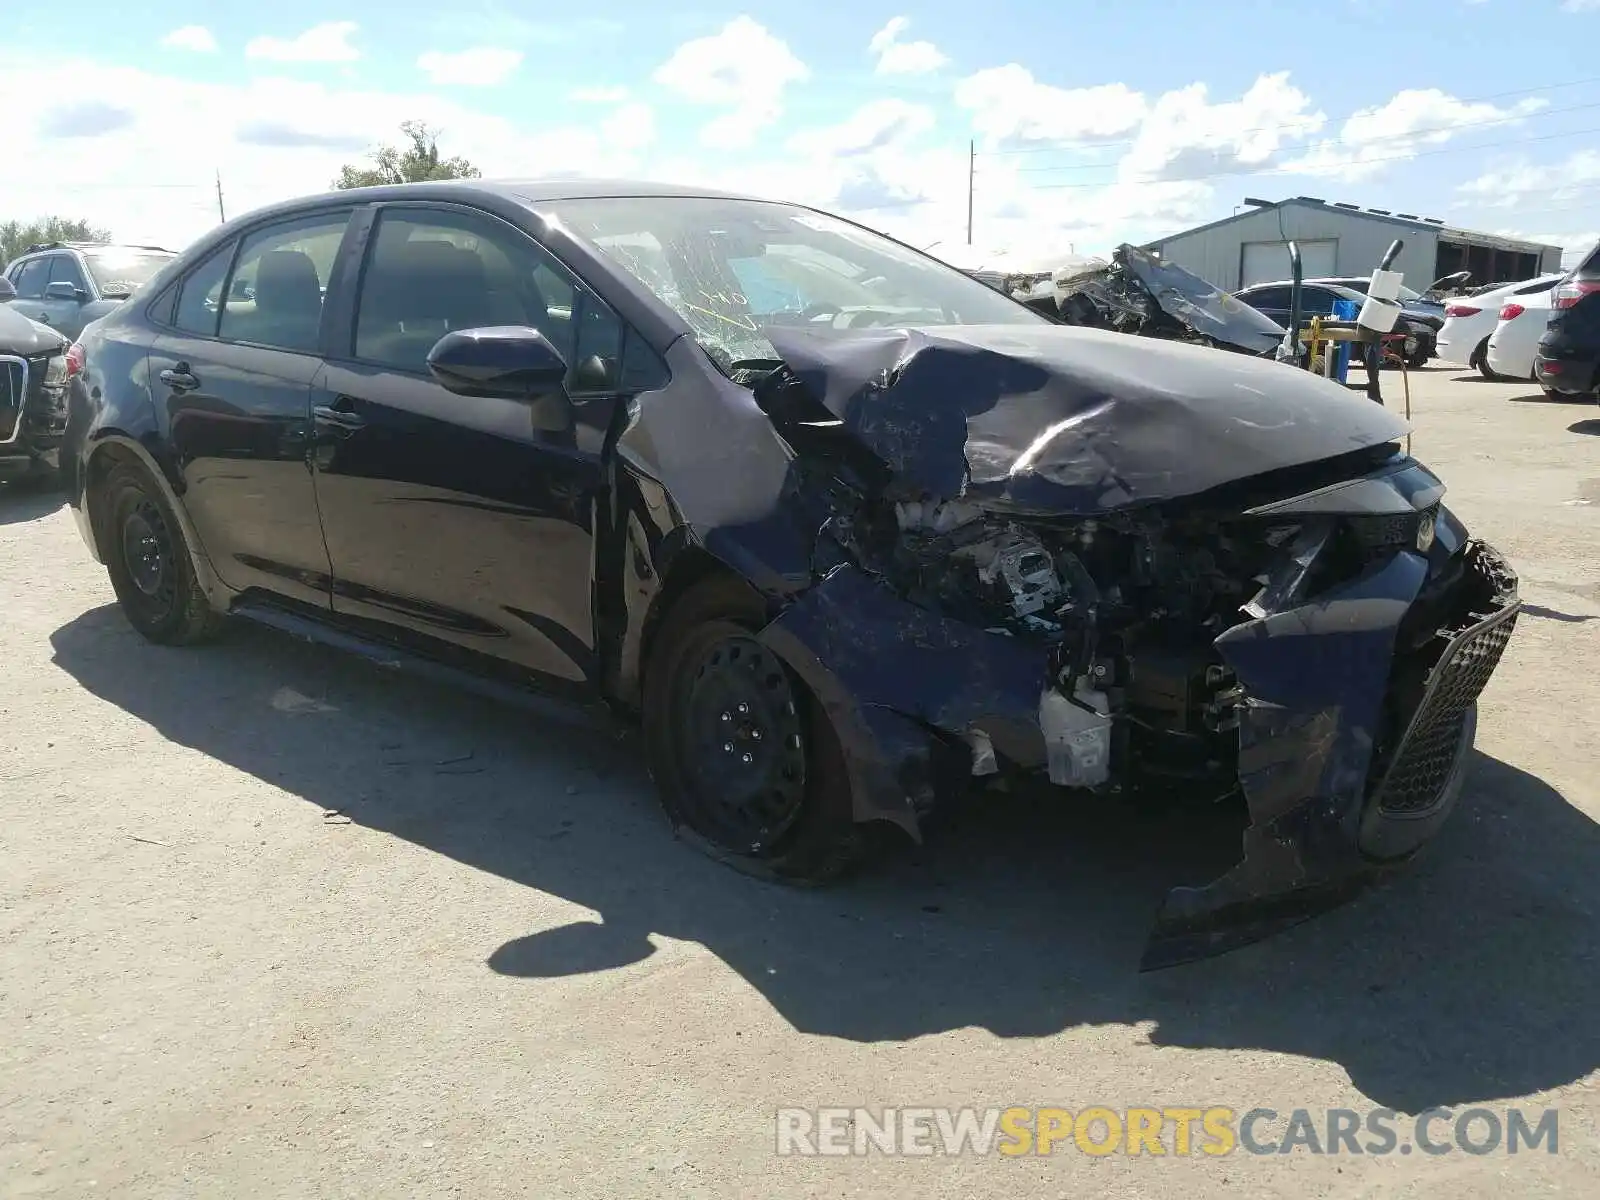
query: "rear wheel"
746, 762
1481, 361
149, 561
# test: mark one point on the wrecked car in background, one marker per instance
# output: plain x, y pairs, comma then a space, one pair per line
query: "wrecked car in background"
845, 528
1138, 293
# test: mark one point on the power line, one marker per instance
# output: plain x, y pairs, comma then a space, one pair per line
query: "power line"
1065, 145
1388, 137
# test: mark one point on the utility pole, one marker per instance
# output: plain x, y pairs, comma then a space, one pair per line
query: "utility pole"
972, 172
221, 213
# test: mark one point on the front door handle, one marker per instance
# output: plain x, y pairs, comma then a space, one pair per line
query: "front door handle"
338, 417
180, 378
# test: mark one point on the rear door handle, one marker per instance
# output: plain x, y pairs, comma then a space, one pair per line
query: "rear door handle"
337, 417
179, 379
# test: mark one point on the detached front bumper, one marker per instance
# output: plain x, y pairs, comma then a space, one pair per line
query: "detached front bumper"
1341, 793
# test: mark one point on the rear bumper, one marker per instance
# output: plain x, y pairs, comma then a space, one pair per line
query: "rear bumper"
1572, 377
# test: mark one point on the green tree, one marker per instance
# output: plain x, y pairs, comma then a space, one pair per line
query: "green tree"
417, 162
17, 236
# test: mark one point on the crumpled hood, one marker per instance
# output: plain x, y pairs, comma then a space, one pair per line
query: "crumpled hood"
1073, 421
19, 335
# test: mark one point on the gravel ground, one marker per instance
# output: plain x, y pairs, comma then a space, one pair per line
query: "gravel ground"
273, 923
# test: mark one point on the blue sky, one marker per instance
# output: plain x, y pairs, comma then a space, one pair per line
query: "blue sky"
1094, 123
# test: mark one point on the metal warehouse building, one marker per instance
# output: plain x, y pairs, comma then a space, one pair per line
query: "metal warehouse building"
1346, 239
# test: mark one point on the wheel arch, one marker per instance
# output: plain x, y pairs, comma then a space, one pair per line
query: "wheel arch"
115, 449
685, 567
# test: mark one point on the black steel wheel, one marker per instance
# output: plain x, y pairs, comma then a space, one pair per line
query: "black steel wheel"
746, 762
149, 561
738, 728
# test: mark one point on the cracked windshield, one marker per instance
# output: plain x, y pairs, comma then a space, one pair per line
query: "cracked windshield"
735, 268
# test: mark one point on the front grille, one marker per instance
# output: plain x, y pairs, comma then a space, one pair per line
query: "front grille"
13, 390
1427, 751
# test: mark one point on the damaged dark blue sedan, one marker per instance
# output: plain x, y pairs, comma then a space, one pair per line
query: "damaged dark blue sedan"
842, 528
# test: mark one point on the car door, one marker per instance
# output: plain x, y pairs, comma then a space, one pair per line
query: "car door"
232, 376
30, 278
65, 294
451, 518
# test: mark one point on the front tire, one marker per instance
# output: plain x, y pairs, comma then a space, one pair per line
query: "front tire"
746, 762
150, 562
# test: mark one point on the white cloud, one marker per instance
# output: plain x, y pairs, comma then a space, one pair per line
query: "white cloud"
483, 66
1008, 103
874, 125
1514, 185
1184, 136
1372, 138
191, 37
743, 69
887, 36
903, 58
270, 138
630, 127
600, 95
325, 43
1574, 6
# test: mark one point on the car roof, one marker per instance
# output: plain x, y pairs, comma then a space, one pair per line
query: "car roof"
531, 192
1330, 284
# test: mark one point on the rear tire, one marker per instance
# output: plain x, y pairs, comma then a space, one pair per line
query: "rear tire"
150, 562
746, 762
1481, 361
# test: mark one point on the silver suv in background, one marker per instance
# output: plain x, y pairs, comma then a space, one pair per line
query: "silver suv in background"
65, 285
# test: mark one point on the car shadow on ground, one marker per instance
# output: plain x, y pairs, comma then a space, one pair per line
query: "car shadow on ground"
27, 502
1590, 426
1471, 976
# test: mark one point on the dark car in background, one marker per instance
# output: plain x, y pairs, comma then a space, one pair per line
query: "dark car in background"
1317, 299
33, 373
1566, 362
847, 532
65, 285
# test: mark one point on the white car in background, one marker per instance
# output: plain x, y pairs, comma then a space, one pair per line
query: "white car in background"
1516, 335
1469, 321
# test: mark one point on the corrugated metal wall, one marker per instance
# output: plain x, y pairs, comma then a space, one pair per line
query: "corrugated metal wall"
1215, 254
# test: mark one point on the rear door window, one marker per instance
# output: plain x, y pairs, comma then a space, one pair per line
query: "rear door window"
30, 280
276, 291
200, 296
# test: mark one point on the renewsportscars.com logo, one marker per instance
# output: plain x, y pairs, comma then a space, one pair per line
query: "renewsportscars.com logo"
1166, 1131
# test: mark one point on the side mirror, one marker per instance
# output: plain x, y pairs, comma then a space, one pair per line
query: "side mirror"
62, 290
508, 362
8, 290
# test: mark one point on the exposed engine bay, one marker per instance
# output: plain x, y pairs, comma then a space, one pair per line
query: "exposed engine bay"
1129, 608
